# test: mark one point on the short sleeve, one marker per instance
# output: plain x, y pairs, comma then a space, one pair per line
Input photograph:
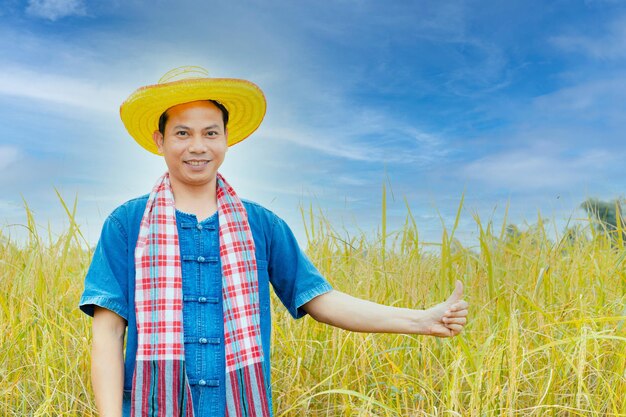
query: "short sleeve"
295, 279
106, 280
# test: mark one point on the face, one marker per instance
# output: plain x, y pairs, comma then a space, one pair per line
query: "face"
194, 143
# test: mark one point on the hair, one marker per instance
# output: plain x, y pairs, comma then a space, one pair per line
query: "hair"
163, 118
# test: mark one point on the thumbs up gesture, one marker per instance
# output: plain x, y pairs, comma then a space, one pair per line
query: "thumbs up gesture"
447, 319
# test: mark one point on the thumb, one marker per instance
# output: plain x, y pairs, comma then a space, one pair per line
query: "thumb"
457, 294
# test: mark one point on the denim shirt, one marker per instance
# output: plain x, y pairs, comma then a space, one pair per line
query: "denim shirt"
110, 283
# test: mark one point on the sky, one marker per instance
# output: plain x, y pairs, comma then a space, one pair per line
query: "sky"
517, 106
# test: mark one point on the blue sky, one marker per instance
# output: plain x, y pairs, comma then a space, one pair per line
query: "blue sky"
514, 103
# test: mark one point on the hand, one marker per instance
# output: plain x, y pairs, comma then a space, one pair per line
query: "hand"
447, 319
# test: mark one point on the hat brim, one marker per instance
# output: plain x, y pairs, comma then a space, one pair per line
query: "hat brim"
244, 101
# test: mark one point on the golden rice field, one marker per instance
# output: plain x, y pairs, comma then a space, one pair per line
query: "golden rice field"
546, 337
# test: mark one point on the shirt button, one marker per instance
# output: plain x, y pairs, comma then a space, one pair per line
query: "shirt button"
200, 258
203, 340
199, 226
202, 299
202, 382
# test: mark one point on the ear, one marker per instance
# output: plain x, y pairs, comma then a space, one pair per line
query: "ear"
226, 135
157, 137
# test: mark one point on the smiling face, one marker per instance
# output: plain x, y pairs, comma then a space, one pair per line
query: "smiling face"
194, 143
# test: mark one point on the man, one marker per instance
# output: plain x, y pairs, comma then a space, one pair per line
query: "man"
187, 269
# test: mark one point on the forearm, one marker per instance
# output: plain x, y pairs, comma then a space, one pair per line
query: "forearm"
107, 362
107, 374
342, 310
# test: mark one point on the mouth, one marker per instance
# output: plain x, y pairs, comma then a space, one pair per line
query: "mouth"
197, 163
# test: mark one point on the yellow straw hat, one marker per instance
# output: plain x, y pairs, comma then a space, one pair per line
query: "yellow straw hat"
244, 101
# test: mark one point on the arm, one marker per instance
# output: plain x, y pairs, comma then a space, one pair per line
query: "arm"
107, 361
342, 310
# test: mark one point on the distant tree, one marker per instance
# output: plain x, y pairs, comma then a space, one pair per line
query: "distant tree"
572, 235
512, 234
608, 216
532, 234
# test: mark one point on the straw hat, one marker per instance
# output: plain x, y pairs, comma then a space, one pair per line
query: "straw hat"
244, 101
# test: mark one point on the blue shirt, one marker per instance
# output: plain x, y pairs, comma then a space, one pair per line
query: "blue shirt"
110, 283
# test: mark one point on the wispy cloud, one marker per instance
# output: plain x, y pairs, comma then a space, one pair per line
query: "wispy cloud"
610, 45
359, 132
8, 155
55, 9
10, 208
482, 69
537, 168
52, 88
601, 99
401, 22
392, 145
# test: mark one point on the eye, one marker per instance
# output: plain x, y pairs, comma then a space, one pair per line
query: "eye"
212, 133
181, 133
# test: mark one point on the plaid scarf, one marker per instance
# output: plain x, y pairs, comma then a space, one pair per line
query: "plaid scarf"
160, 385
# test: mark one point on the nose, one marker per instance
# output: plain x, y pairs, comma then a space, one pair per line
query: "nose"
197, 144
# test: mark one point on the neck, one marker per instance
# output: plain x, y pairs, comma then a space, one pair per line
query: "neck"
200, 200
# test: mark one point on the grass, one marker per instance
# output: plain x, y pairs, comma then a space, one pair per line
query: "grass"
546, 333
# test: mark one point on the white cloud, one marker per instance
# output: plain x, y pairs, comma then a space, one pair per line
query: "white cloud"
398, 149
611, 45
601, 101
599, 94
8, 154
362, 134
83, 93
351, 180
539, 167
55, 9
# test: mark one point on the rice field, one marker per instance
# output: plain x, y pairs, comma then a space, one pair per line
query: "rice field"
546, 335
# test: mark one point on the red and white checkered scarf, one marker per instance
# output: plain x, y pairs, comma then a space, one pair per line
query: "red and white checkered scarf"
160, 385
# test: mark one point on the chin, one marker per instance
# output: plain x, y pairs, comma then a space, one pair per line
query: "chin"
199, 181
